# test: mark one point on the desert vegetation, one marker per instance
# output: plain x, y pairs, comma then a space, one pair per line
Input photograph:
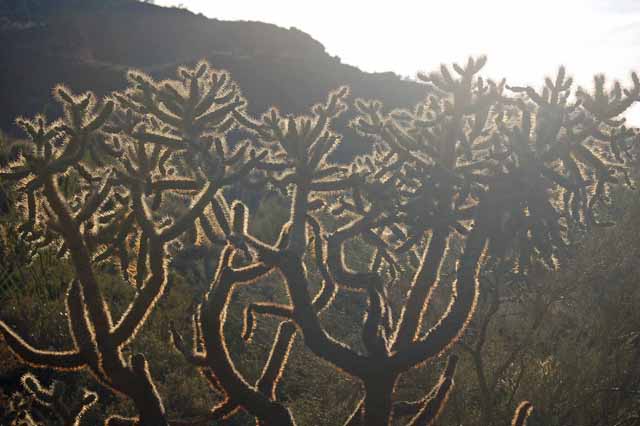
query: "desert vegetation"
148, 207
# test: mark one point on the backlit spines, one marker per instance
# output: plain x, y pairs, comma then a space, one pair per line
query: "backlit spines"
155, 138
141, 175
434, 402
522, 413
56, 398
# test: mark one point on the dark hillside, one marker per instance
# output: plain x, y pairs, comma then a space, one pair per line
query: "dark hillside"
91, 47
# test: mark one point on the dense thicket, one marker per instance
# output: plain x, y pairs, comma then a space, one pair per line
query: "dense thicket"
481, 180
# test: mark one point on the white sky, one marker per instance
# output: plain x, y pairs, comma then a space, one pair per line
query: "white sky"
524, 40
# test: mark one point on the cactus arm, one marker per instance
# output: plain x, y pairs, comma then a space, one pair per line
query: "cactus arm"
221, 411
188, 218
138, 310
64, 360
425, 281
522, 413
463, 302
194, 357
212, 318
97, 309
315, 337
436, 400
80, 328
342, 275
277, 361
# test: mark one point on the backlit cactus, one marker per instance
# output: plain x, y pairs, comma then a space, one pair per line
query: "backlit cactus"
130, 179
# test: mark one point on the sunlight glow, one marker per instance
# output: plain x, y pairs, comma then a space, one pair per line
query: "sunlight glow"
524, 40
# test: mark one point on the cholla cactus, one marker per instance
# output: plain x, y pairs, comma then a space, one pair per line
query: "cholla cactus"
56, 397
522, 414
133, 177
94, 185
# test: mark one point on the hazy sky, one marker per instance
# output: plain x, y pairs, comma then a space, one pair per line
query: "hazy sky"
525, 40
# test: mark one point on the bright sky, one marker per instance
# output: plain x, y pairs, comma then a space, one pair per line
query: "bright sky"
525, 40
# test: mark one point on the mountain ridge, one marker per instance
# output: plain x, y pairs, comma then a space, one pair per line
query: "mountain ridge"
90, 48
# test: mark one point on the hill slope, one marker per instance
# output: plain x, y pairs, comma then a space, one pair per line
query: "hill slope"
89, 47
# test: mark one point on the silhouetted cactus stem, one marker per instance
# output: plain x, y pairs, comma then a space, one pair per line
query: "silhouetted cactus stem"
454, 322
67, 360
278, 357
191, 354
120, 421
57, 399
522, 414
213, 312
219, 413
437, 398
252, 309
424, 283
